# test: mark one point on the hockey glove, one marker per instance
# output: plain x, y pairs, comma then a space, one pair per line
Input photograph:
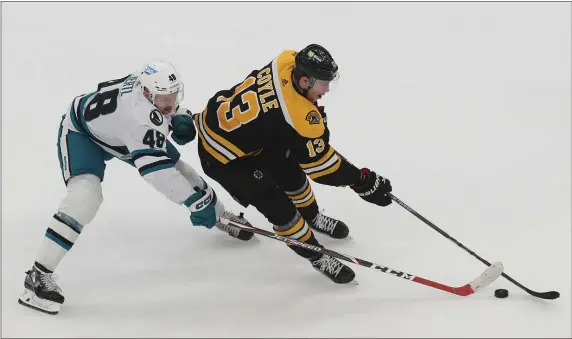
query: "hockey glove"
203, 205
373, 188
183, 127
324, 115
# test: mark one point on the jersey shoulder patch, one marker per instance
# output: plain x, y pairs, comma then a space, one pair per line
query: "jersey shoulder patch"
298, 111
156, 117
313, 117
146, 123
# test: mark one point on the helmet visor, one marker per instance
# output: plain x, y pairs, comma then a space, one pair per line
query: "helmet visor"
326, 85
167, 103
166, 99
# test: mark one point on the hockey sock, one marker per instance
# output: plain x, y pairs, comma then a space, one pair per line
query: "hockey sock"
59, 239
298, 229
305, 201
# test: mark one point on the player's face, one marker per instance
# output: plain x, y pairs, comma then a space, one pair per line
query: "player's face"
319, 89
165, 102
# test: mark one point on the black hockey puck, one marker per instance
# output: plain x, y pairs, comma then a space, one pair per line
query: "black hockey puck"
501, 293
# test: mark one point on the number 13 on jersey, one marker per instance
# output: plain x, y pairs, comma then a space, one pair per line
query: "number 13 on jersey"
315, 146
232, 118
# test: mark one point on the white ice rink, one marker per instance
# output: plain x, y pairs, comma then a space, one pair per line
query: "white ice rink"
465, 107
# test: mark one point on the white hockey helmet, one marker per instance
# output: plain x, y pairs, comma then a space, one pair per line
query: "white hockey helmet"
161, 77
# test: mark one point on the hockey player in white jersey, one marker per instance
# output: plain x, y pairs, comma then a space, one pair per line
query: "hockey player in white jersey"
130, 119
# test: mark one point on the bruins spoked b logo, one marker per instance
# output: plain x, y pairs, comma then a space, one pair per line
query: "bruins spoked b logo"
313, 117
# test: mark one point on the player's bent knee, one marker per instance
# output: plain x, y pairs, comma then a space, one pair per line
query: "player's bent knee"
273, 204
84, 197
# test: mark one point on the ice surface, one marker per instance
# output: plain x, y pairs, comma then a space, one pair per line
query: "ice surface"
466, 107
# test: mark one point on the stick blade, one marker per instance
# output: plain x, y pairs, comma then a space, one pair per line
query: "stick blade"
547, 295
487, 277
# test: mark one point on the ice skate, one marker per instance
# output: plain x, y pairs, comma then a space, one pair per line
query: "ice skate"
334, 269
41, 292
327, 225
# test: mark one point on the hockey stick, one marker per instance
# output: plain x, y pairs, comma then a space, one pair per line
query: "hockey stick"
488, 276
542, 295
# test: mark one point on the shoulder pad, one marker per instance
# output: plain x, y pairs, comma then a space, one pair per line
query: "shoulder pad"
298, 111
308, 123
144, 113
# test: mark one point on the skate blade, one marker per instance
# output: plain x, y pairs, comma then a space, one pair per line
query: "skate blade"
351, 283
29, 299
326, 237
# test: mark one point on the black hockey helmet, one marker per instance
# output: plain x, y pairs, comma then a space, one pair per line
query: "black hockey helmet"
315, 62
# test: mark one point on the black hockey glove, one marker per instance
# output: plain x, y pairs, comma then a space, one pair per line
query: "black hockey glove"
373, 188
324, 115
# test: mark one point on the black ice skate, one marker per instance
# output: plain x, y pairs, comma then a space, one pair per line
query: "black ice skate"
233, 231
334, 269
41, 292
329, 226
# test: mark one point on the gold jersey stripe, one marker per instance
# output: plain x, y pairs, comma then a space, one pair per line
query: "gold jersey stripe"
328, 170
227, 144
207, 147
325, 158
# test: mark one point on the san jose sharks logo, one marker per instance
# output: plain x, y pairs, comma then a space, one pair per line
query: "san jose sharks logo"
156, 117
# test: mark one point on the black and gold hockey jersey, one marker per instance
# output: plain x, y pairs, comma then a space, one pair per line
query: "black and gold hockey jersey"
266, 112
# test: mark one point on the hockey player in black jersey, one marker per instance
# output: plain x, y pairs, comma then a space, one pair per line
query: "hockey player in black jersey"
262, 139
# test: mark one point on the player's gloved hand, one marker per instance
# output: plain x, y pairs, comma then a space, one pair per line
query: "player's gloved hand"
373, 188
183, 126
322, 110
205, 207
